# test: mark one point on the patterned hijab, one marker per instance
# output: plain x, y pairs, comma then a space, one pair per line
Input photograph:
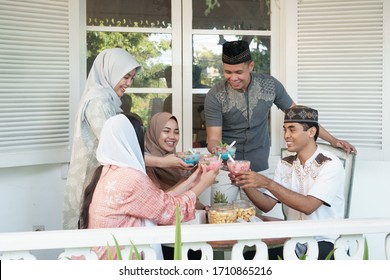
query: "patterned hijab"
109, 67
118, 144
164, 178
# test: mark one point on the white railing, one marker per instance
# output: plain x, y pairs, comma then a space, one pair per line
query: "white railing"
77, 243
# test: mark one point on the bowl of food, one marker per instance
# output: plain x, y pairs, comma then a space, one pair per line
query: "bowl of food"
189, 157
222, 213
224, 150
244, 209
237, 166
212, 162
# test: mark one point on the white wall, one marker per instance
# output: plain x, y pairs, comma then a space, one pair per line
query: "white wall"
31, 196
371, 189
370, 198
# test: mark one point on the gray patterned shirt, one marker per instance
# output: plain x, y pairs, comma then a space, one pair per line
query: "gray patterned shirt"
244, 116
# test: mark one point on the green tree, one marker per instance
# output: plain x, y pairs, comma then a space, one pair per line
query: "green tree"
144, 50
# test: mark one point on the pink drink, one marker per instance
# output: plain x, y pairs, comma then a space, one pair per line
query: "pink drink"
212, 162
238, 165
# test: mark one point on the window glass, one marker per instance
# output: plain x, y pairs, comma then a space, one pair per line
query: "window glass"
207, 56
145, 105
124, 13
208, 70
231, 14
152, 51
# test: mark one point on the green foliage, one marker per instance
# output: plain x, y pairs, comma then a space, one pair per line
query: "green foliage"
207, 59
109, 254
177, 249
329, 256
141, 45
220, 197
118, 249
119, 253
303, 258
142, 104
331, 253
178, 244
365, 254
210, 5
146, 51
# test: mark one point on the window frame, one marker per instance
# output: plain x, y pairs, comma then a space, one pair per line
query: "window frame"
188, 32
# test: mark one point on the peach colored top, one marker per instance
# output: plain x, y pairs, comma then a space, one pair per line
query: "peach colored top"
124, 197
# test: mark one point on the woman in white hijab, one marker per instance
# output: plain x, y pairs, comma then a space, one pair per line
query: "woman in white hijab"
112, 72
122, 195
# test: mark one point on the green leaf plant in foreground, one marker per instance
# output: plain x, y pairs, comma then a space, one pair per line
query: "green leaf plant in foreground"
365, 254
177, 248
119, 253
178, 245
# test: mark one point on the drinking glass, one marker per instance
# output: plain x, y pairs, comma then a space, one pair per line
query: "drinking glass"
189, 158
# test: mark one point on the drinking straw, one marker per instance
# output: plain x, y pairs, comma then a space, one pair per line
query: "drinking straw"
232, 144
230, 157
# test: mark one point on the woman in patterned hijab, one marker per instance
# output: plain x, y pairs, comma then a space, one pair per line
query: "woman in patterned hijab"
112, 72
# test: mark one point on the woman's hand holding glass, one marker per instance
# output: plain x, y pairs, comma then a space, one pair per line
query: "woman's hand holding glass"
202, 178
174, 161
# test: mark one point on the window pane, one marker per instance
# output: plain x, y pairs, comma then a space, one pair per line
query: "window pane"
208, 55
152, 51
145, 105
232, 14
198, 121
145, 13
208, 70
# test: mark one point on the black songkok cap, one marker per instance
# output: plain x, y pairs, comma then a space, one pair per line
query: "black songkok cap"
236, 52
301, 114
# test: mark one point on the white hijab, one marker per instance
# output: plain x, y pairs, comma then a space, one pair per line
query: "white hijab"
109, 67
118, 145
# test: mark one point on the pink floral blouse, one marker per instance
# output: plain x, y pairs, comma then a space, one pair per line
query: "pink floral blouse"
124, 196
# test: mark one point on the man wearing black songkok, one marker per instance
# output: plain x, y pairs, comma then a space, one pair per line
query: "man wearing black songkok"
237, 108
309, 183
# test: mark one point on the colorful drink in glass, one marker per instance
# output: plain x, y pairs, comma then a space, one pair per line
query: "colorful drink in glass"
224, 150
189, 157
211, 161
238, 165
